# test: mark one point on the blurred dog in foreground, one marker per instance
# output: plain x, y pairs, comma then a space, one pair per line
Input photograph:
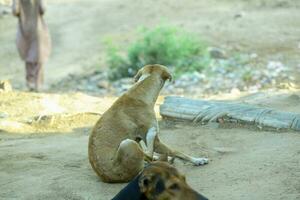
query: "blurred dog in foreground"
127, 133
159, 181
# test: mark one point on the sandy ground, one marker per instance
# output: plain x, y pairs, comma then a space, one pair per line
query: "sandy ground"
269, 28
43, 137
244, 165
47, 159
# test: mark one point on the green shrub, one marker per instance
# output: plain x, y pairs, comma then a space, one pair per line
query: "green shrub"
164, 45
118, 67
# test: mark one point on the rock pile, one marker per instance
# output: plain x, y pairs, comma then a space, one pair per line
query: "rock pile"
223, 75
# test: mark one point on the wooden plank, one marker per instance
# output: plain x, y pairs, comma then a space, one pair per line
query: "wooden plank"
204, 111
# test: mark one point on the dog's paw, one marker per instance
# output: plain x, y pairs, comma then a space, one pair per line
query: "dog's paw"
200, 161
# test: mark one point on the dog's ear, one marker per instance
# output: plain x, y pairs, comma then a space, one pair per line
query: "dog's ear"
138, 75
151, 185
167, 76
145, 182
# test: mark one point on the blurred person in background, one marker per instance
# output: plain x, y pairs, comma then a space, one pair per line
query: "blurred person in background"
33, 39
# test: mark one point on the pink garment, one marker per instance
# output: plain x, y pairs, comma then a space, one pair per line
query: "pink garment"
33, 39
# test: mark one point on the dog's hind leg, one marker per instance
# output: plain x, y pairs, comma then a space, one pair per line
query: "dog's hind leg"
157, 157
129, 159
164, 149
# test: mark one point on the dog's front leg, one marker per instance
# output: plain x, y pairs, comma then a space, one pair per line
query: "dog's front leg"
144, 147
150, 139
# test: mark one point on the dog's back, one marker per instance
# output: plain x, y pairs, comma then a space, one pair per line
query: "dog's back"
104, 141
114, 152
114, 126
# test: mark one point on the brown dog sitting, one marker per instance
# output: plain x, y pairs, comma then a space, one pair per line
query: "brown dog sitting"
117, 148
159, 181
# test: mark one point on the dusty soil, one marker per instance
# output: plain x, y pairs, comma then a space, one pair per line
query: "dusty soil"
43, 151
43, 137
244, 165
269, 28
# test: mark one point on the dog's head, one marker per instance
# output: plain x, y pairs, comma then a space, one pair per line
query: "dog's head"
157, 69
159, 181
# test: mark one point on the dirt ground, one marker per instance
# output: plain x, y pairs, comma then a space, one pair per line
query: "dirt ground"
46, 157
269, 28
244, 165
43, 137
